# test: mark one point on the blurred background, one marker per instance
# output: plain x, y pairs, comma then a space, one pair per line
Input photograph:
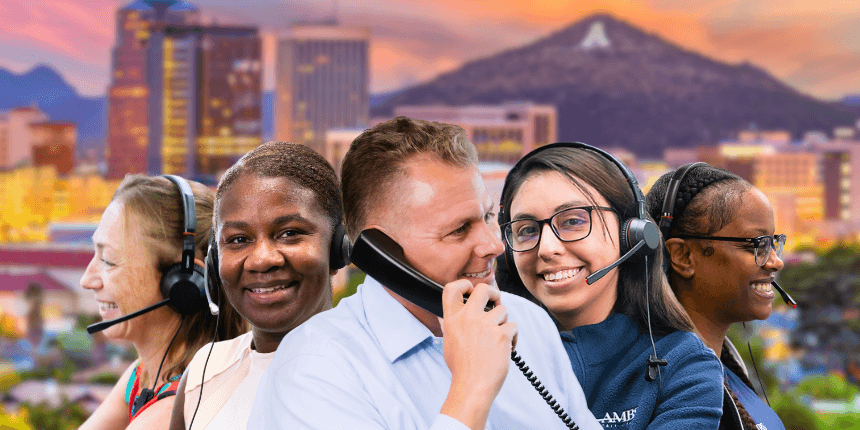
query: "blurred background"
93, 90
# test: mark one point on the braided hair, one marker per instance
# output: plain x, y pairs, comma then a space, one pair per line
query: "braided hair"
708, 199
733, 366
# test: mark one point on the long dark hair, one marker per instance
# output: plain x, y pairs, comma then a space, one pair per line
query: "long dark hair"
584, 167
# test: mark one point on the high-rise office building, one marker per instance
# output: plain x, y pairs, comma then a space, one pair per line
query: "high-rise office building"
322, 82
209, 100
230, 111
128, 96
192, 105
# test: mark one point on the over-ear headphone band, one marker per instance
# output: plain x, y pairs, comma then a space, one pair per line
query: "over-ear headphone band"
183, 283
189, 212
666, 216
639, 236
628, 175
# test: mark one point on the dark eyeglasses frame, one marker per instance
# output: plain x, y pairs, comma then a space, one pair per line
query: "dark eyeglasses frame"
541, 222
756, 241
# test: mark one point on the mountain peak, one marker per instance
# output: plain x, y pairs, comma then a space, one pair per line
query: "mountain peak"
43, 72
615, 84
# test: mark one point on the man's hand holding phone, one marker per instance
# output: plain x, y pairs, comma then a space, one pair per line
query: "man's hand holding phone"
477, 348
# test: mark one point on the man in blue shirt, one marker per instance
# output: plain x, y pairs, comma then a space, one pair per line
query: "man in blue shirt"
378, 361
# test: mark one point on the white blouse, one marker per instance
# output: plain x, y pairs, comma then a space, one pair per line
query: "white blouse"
232, 376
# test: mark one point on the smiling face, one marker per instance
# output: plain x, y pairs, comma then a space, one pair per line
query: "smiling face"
273, 245
123, 274
443, 218
555, 271
727, 284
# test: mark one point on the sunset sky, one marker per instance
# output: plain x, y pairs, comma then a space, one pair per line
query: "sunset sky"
814, 45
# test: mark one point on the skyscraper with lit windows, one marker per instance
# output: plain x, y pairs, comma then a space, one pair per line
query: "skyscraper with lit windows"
322, 80
128, 96
186, 98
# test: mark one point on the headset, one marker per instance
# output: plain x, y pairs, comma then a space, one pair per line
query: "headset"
666, 217
671, 194
639, 235
338, 258
183, 283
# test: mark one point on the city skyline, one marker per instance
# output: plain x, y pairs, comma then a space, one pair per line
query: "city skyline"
812, 46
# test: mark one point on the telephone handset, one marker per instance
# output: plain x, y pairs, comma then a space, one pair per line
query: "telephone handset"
380, 257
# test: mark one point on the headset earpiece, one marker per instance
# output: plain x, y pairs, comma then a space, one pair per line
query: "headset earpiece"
184, 282
183, 289
339, 251
639, 236
635, 230
212, 279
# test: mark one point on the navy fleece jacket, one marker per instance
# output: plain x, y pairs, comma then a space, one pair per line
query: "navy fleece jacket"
610, 361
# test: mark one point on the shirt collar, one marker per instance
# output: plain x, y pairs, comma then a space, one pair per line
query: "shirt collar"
393, 326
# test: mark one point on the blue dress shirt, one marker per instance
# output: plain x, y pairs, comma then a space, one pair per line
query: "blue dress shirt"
370, 364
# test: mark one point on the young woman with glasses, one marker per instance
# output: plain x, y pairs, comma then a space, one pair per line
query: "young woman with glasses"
722, 257
562, 212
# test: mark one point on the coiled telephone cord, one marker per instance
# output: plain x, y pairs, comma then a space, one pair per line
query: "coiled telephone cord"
547, 397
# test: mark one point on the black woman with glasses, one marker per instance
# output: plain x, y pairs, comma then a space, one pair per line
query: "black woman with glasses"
722, 256
563, 211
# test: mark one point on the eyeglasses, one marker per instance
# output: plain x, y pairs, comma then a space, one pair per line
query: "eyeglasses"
569, 225
762, 244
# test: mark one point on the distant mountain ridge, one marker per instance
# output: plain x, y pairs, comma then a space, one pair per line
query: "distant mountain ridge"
626, 88
43, 87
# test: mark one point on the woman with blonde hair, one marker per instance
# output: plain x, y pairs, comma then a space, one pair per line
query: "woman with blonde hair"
138, 251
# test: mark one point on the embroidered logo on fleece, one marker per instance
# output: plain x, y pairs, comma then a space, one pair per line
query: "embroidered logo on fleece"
616, 418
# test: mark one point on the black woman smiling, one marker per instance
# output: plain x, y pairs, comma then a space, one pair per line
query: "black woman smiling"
722, 257
277, 212
138, 245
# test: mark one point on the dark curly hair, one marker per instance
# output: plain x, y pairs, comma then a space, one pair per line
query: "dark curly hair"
295, 162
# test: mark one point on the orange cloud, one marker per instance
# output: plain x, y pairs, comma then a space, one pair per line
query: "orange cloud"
811, 44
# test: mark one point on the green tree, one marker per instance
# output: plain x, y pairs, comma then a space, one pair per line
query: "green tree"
795, 414
830, 387
66, 416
